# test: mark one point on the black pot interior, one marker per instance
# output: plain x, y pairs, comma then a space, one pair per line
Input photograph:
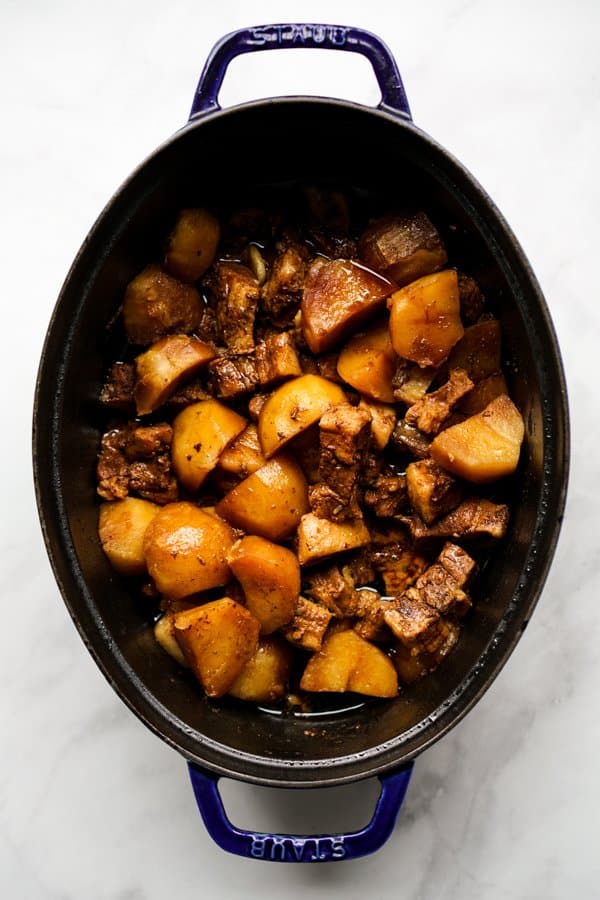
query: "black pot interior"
290, 143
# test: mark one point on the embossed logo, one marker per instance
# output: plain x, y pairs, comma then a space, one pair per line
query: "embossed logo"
299, 34
288, 849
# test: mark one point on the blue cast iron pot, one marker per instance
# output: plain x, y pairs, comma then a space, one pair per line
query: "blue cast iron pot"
293, 140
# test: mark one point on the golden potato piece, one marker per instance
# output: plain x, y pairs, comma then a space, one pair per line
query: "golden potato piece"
122, 526
293, 408
201, 432
164, 632
425, 319
162, 368
270, 502
157, 304
383, 421
318, 538
339, 295
217, 639
347, 662
186, 549
485, 446
192, 244
270, 577
244, 455
368, 363
403, 247
264, 677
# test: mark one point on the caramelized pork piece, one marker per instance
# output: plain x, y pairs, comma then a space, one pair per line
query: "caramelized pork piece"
190, 393
409, 439
344, 434
411, 381
137, 460
472, 301
232, 376
432, 491
308, 627
387, 495
398, 565
440, 591
282, 292
479, 350
276, 359
117, 392
237, 295
330, 588
403, 247
475, 519
369, 611
415, 662
359, 569
411, 620
156, 304
458, 563
483, 393
383, 420
432, 410
339, 295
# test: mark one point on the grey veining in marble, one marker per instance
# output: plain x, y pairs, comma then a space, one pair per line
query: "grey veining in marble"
92, 806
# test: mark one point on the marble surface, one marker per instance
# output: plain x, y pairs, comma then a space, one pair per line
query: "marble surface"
91, 804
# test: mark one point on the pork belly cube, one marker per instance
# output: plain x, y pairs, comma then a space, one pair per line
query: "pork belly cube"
475, 519
276, 359
237, 294
432, 410
479, 350
472, 301
440, 591
369, 610
457, 562
192, 244
387, 496
339, 295
432, 491
138, 460
156, 304
331, 589
344, 432
410, 440
383, 421
282, 291
117, 391
319, 538
308, 626
192, 392
232, 376
410, 619
403, 247
398, 565
415, 662
411, 381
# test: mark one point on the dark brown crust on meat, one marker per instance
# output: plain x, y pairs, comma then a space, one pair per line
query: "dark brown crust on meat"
344, 432
410, 440
276, 359
474, 519
307, 628
232, 376
387, 495
432, 491
237, 295
137, 460
430, 412
117, 391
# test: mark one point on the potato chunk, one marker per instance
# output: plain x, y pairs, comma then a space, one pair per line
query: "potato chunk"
192, 244
346, 662
270, 502
318, 538
162, 368
122, 526
425, 319
200, 434
264, 677
403, 247
157, 304
164, 632
383, 421
485, 446
270, 577
186, 549
244, 455
368, 363
293, 408
217, 639
339, 295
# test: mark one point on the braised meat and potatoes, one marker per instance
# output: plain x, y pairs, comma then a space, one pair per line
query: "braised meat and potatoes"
308, 430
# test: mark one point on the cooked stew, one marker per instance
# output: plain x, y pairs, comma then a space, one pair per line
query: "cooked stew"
301, 437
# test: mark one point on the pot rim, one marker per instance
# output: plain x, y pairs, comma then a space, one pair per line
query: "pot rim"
337, 770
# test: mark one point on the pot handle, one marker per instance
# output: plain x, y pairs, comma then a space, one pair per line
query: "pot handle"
299, 848
294, 36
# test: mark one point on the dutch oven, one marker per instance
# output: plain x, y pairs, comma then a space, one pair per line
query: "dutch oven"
278, 141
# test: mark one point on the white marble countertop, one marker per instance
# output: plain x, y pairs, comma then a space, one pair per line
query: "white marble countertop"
91, 804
